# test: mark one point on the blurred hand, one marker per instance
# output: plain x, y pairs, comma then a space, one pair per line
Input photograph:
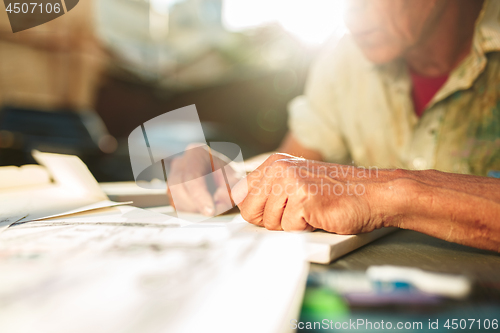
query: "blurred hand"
197, 187
294, 194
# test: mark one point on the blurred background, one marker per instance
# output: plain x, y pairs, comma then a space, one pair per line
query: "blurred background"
81, 83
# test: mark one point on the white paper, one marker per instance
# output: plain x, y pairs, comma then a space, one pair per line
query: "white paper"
322, 247
6, 222
11, 211
26, 175
118, 215
95, 206
70, 173
74, 190
123, 269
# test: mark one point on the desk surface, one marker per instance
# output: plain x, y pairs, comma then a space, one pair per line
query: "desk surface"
413, 249
410, 248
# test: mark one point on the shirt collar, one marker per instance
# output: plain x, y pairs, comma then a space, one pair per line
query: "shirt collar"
488, 27
486, 39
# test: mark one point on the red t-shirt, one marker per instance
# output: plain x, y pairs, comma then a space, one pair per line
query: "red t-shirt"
424, 89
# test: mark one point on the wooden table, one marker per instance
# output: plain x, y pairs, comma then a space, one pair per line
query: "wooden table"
413, 249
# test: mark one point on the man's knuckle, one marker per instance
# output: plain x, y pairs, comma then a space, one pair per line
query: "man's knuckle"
279, 156
282, 162
281, 167
247, 216
273, 227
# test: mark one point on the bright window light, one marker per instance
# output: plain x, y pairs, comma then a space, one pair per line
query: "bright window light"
312, 21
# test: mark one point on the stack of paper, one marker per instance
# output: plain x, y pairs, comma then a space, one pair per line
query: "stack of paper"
62, 185
323, 247
123, 269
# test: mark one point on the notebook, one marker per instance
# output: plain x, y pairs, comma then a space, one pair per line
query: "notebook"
321, 247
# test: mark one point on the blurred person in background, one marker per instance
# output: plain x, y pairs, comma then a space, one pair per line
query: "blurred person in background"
414, 88
49, 76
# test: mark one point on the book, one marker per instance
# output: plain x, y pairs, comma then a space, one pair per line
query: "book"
323, 247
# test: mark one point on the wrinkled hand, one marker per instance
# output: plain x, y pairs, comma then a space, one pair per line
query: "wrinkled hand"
294, 194
197, 188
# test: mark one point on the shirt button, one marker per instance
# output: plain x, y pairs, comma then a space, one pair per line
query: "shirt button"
419, 163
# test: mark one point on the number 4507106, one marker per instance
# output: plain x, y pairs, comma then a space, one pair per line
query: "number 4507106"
35, 8
471, 323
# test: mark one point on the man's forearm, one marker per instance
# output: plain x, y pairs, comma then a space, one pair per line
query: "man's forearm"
457, 208
349, 200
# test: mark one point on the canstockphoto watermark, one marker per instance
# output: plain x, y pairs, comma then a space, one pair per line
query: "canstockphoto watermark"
356, 324
299, 176
297, 186
369, 325
302, 168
